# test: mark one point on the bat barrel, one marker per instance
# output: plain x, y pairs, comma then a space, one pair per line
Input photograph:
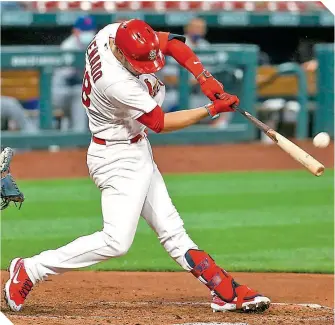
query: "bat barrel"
314, 166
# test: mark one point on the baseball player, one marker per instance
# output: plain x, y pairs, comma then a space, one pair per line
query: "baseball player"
122, 98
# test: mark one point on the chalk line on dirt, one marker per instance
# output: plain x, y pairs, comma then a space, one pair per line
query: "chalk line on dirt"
166, 303
198, 303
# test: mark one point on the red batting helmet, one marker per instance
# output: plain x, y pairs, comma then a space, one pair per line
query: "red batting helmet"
139, 44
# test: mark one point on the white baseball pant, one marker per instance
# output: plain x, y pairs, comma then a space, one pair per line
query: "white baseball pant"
131, 185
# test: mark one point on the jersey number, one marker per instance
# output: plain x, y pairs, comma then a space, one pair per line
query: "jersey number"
86, 90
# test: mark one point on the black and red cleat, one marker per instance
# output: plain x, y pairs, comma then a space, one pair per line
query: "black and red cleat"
246, 300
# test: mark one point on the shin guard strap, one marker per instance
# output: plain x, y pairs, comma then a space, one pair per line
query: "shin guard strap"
204, 268
199, 261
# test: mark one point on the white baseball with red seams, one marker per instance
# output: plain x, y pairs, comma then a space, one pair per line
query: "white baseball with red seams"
130, 182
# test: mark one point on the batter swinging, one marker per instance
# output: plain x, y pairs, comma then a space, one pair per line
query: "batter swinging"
122, 98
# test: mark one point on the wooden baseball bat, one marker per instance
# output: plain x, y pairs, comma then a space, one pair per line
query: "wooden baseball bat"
315, 167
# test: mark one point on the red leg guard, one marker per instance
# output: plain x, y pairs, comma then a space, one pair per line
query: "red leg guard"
215, 278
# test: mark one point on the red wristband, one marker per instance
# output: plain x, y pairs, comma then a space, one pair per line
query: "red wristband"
211, 111
203, 76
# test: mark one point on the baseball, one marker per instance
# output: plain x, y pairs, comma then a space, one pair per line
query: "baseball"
321, 140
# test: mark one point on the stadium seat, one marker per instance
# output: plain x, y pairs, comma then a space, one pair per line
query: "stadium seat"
283, 86
97, 6
22, 85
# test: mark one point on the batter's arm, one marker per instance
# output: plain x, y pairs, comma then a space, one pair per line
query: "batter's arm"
158, 121
184, 55
182, 119
165, 38
174, 45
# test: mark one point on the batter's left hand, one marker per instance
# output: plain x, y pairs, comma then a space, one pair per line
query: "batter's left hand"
210, 86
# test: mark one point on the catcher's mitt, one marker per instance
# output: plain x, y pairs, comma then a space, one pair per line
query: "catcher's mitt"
9, 189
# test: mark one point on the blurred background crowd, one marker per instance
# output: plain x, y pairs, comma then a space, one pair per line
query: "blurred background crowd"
284, 37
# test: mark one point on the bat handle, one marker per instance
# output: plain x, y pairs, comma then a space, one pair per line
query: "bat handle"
240, 110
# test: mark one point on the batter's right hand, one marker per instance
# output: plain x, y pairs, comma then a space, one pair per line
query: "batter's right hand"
223, 104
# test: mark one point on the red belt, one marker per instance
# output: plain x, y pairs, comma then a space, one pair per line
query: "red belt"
102, 141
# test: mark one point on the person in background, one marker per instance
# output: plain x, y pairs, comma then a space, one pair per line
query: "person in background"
67, 82
13, 116
305, 54
310, 66
83, 31
194, 32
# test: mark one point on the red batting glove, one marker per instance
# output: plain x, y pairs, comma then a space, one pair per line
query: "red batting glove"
224, 104
209, 85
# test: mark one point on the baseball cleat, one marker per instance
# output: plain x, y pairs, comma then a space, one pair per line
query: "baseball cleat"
18, 286
246, 300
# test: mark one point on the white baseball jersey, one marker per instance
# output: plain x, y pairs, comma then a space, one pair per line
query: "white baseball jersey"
115, 98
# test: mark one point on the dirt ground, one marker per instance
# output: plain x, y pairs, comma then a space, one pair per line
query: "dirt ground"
147, 298
143, 298
174, 159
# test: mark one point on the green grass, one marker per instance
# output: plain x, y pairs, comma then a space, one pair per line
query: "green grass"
255, 221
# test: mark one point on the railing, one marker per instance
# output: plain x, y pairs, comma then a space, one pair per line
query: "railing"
44, 59
294, 69
241, 58
324, 115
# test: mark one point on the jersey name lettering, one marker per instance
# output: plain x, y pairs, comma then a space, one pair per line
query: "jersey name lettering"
94, 61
